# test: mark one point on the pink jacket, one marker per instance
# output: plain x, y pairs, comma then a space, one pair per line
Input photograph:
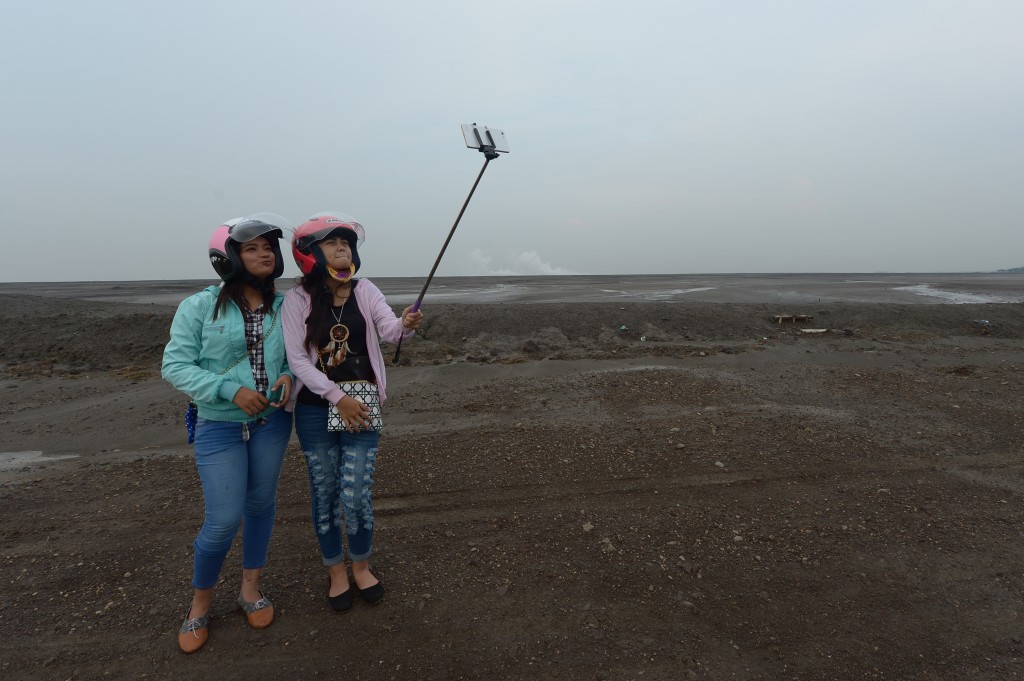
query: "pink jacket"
381, 322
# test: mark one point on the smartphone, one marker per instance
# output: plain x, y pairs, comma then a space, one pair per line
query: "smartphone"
478, 136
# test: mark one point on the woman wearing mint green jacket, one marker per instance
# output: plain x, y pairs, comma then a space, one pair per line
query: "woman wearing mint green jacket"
227, 353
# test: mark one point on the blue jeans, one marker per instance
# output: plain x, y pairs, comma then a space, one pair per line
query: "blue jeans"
239, 484
341, 467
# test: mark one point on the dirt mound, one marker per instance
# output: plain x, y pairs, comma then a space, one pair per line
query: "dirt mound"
39, 335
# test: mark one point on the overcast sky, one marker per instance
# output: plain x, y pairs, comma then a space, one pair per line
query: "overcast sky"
646, 137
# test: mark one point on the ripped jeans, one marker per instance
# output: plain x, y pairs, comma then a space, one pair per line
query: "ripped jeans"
340, 466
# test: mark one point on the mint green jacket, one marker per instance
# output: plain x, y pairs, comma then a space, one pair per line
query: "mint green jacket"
202, 347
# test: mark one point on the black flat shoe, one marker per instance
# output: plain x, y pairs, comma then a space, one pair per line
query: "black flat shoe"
342, 602
373, 594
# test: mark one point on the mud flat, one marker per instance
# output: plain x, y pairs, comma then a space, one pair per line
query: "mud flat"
616, 489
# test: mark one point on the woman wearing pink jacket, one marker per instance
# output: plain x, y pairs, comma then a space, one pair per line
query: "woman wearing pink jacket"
333, 323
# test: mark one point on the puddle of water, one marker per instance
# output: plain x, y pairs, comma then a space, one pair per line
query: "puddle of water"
11, 460
957, 296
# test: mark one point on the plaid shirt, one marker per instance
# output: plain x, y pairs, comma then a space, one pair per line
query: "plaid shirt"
253, 333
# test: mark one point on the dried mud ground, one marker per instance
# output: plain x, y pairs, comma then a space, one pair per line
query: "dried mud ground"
702, 494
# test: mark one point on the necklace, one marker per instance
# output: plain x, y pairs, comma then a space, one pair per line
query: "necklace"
337, 347
336, 293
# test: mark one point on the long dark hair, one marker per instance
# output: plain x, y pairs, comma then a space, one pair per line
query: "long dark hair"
321, 297
233, 291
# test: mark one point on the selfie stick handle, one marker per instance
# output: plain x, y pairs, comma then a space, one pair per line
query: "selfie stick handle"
489, 155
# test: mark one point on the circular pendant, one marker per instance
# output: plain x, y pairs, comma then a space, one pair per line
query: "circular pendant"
339, 333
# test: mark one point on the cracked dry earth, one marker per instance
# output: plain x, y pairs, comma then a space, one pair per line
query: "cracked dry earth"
741, 503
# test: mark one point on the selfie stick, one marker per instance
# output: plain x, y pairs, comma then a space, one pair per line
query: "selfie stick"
490, 143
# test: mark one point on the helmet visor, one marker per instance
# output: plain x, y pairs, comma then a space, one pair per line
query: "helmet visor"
259, 224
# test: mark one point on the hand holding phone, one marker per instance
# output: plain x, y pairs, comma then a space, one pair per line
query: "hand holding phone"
279, 393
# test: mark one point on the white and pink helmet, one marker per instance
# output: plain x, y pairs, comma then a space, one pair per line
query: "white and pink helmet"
223, 249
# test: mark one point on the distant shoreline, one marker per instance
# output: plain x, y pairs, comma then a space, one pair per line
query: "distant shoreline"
910, 288
1010, 271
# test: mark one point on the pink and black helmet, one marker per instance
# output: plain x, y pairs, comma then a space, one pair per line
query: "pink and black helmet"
223, 248
219, 249
317, 228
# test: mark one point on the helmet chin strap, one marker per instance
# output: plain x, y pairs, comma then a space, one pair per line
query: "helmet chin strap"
341, 276
264, 285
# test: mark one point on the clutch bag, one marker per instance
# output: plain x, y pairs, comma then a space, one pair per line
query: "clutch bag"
365, 392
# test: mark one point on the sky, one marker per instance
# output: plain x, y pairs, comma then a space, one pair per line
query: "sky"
649, 137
